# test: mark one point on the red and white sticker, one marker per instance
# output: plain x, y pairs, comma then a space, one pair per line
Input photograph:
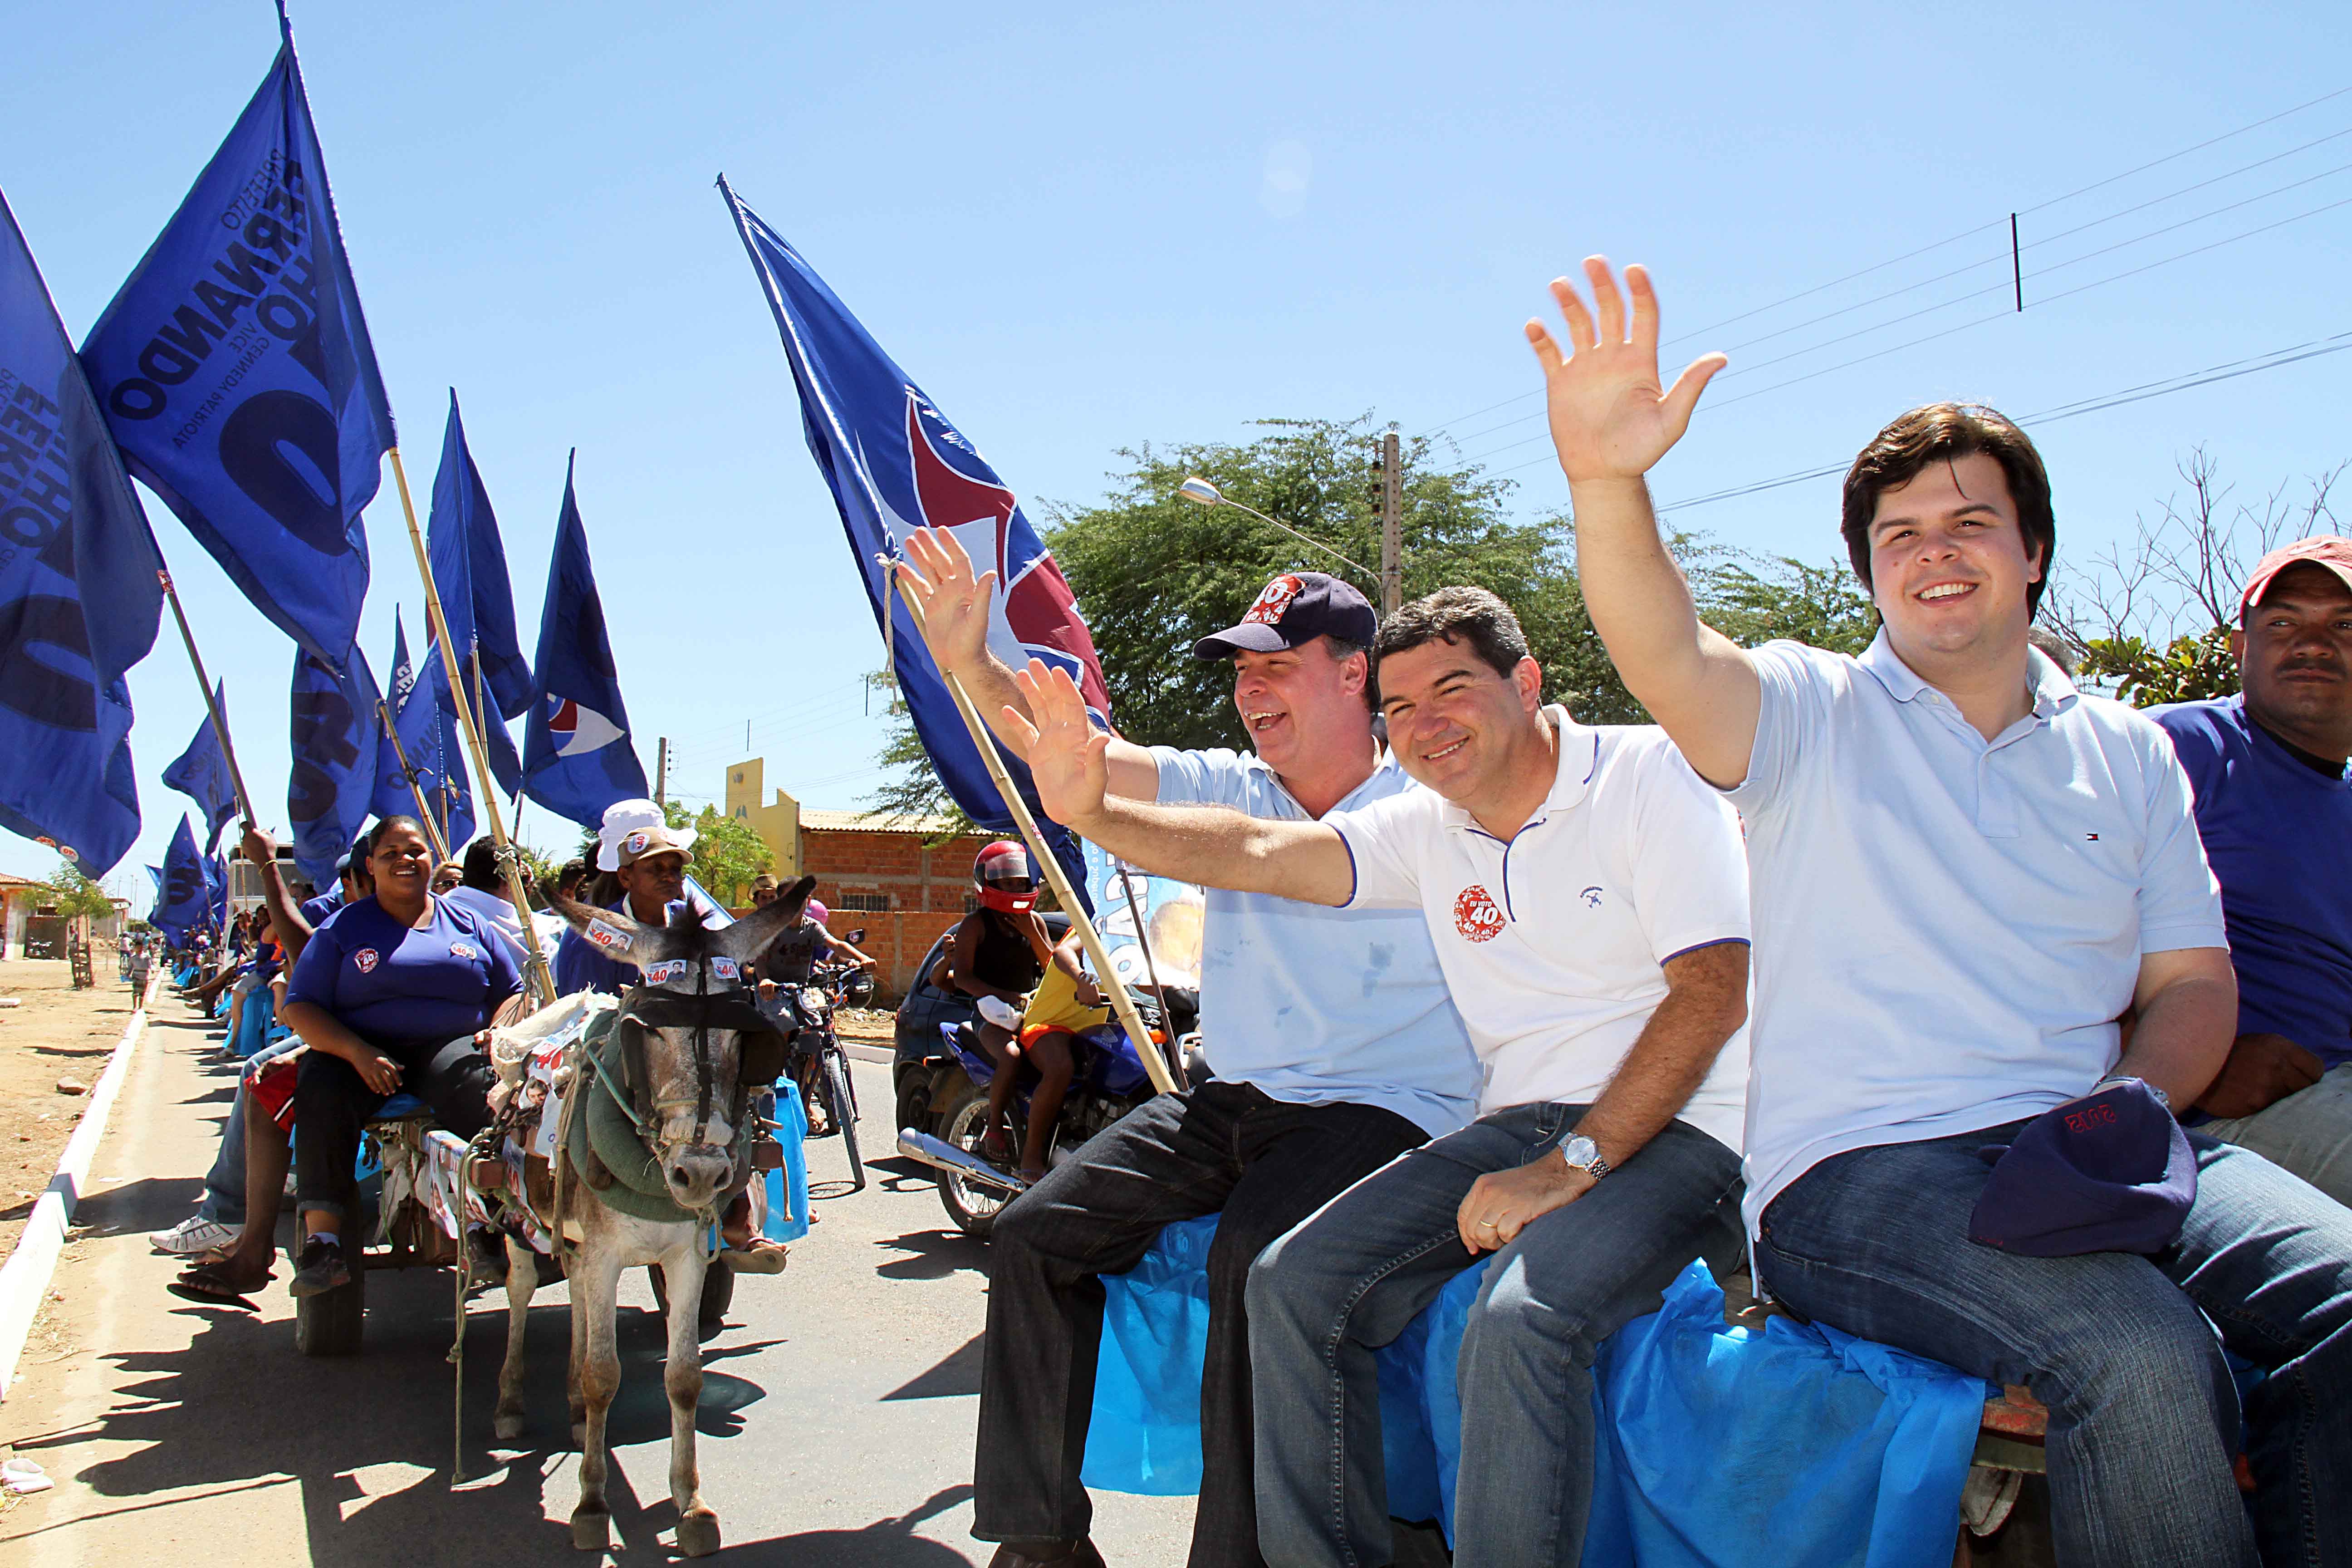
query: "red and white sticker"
1476, 915
1272, 600
724, 968
660, 974
634, 843
464, 950
608, 936
366, 959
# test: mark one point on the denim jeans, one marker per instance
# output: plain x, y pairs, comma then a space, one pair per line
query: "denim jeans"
224, 1198
1327, 1295
1267, 1164
2309, 1133
2143, 1416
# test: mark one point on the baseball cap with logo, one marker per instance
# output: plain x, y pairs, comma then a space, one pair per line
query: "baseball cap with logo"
2111, 1171
2331, 551
1293, 609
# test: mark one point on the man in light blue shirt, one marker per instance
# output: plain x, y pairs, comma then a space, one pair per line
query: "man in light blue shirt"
1965, 875
1334, 1044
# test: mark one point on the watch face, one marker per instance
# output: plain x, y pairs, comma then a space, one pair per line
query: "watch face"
1580, 1151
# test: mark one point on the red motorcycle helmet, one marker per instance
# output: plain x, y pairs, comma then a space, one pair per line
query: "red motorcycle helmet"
1001, 872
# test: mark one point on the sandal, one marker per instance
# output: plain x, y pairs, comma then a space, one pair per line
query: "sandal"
209, 1283
757, 1255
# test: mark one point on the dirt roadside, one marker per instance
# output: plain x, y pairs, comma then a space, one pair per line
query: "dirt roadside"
54, 1032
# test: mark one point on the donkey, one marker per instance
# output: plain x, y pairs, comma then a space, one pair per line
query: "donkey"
691, 1045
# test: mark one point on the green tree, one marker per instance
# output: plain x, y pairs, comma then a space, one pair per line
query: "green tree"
74, 893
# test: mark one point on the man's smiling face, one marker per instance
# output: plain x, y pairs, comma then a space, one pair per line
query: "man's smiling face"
1292, 699
1452, 715
1948, 565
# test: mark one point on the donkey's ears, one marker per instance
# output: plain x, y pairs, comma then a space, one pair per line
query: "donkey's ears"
749, 937
610, 931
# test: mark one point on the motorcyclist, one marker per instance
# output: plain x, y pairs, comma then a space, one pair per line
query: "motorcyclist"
1066, 1004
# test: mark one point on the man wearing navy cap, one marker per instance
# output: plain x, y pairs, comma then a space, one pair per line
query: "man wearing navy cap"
2275, 810
1335, 1044
1966, 874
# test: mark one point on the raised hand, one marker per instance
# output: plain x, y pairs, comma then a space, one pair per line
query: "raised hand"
1068, 756
1609, 418
955, 603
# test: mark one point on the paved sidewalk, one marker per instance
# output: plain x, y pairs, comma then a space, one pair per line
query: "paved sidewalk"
836, 1416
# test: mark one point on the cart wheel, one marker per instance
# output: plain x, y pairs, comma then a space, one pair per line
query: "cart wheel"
329, 1324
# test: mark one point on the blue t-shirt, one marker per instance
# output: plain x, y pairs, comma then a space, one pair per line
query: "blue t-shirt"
314, 911
1317, 1006
2279, 835
407, 991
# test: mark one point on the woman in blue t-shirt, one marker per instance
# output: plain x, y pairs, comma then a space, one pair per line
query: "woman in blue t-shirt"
392, 993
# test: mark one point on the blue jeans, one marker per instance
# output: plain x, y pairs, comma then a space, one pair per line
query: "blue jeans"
224, 1197
1350, 1279
2143, 1417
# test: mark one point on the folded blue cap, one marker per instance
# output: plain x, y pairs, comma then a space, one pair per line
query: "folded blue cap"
2109, 1173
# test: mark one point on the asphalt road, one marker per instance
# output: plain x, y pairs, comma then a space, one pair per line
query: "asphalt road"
836, 1416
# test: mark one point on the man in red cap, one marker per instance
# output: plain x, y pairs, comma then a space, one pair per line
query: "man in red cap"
2274, 809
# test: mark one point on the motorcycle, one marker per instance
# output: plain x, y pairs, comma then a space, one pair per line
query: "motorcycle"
820, 1066
1110, 1081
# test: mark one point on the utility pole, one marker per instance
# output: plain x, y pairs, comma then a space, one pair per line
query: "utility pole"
661, 773
1391, 525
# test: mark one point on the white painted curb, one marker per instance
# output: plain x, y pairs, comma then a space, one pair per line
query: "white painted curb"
25, 1277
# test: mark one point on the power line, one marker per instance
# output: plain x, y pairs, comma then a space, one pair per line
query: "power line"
1445, 428
2228, 370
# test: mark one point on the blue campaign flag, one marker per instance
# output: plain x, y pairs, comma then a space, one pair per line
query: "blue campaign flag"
79, 591
216, 890
235, 371
576, 756
469, 570
392, 796
201, 773
497, 740
155, 875
333, 743
181, 908
894, 464
453, 796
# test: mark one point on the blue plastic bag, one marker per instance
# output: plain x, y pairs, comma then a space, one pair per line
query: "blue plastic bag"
788, 1189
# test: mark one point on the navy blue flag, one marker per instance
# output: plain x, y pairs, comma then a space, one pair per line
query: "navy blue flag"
453, 796
201, 773
333, 743
497, 740
216, 890
235, 371
392, 796
469, 571
576, 756
155, 875
181, 908
894, 464
79, 591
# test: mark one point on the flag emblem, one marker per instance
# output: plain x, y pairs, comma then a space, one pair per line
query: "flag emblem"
578, 728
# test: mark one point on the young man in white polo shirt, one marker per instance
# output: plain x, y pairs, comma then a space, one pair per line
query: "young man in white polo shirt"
1333, 1040
1588, 899
1966, 873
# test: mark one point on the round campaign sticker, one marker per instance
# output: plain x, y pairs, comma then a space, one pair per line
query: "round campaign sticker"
1476, 915
366, 959
463, 950
635, 842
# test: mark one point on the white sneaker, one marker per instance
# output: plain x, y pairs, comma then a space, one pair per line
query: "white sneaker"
192, 1235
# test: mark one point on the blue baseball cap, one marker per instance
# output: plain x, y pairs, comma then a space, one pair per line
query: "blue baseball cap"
1293, 609
2112, 1171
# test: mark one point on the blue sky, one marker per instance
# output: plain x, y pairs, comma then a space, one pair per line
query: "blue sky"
1084, 228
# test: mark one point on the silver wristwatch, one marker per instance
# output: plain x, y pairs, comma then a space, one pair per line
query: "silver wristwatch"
2161, 1097
1581, 1153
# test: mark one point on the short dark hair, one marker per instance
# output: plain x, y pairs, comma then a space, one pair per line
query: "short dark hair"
481, 864
1458, 615
1941, 432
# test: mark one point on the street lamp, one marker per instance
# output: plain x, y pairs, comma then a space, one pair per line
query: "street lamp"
1201, 492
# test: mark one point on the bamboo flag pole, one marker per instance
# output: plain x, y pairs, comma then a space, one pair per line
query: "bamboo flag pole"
211, 706
1106, 976
509, 863
383, 716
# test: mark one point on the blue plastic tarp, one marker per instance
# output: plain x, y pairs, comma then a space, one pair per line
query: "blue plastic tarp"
1837, 1450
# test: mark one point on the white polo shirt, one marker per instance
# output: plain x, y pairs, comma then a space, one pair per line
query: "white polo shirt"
1947, 927
1552, 943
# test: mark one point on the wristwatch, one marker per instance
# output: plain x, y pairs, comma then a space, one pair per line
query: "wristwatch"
2161, 1097
1581, 1153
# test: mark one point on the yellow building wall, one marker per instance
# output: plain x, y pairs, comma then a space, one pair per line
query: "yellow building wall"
777, 824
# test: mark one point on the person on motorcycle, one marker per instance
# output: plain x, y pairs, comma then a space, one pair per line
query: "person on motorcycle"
997, 955
1336, 1044
1066, 1005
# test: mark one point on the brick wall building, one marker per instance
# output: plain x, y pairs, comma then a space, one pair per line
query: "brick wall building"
885, 874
